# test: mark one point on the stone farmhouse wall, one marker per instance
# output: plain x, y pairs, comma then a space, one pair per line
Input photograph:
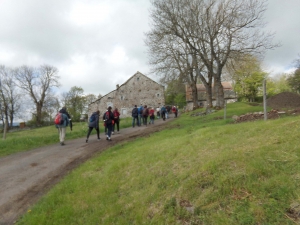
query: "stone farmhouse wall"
138, 89
229, 95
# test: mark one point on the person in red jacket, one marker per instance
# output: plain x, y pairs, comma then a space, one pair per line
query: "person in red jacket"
108, 120
174, 110
152, 116
117, 120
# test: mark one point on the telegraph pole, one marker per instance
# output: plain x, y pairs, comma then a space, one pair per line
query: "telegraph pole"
265, 100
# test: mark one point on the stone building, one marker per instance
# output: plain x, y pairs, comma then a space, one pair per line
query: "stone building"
138, 89
229, 95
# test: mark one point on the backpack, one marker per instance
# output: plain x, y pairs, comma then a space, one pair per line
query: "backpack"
145, 112
59, 119
107, 115
140, 110
92, 118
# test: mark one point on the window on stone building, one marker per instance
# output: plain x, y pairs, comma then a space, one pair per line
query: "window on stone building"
137, 78
123, 111
122, 97
157, 95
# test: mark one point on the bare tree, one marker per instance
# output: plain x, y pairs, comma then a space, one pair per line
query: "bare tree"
38, 84
215, 30
171, 58
9, 95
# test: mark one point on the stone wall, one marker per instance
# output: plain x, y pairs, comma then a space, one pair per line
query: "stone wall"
138, 89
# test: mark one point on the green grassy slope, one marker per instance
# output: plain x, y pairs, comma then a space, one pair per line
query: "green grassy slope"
200, 170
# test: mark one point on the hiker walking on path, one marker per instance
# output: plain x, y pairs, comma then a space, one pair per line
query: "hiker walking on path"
158, 112
105, 127
175, 111
62, 127
93, 123
134, 115
109, 120
140, 115
163, 112
145, 115
152, 116
117, 120
168, 109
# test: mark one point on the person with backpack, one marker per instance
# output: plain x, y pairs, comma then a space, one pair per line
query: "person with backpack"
152, 116
109, 121
163, 112
116, 119
63, 123
140, 114
93, 123
105, 128
64, 110
168, 109
134, 115
145, 115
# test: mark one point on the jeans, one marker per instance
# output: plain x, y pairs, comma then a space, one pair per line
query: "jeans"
151, 120
109, 129
140, 118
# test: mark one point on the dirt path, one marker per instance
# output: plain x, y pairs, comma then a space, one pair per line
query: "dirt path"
26, 176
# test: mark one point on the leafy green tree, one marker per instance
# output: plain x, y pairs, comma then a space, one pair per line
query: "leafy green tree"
277, 84
294, 81
75, 102
175, 93
248, 77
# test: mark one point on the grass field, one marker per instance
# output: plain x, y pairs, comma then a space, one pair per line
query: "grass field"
199, 170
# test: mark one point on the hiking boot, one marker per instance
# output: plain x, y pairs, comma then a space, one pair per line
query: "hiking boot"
87, 140
61, 143
106, 138
99, 139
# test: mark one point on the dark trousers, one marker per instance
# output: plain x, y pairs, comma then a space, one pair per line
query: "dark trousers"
137, 121
90, 130
163, 115
117, 122
145, 120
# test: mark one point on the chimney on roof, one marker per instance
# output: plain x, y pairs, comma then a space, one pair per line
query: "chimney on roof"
118, 86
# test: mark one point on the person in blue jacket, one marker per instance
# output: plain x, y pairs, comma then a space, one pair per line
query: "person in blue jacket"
93, 124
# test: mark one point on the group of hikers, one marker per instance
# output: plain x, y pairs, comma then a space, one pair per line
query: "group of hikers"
140, 114
111, 120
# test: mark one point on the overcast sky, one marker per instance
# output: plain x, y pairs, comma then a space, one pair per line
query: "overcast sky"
96, 44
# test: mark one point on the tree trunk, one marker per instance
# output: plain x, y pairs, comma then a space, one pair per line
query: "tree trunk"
209, 103
219, 92
38, 114
195, 95
5, 128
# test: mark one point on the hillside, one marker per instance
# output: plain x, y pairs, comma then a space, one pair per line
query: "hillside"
199, 170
